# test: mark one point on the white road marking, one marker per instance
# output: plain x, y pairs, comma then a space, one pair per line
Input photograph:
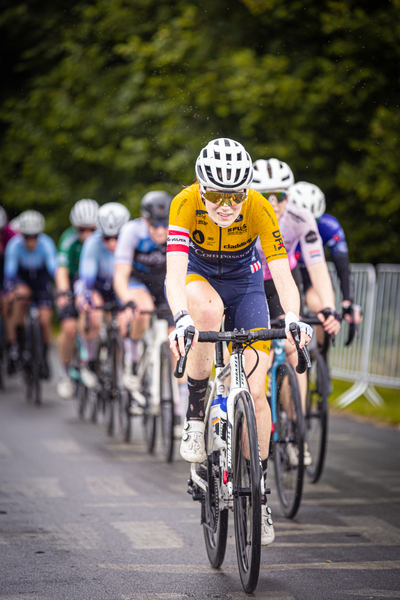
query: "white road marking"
369, 593
377, 531
149, 534
109, 486
75, 536
179, 505
35, 487
71, 536
154, 596
350, 501
66, 446
354, 442
205, 569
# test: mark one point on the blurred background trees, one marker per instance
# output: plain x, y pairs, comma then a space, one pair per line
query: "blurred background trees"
110, 98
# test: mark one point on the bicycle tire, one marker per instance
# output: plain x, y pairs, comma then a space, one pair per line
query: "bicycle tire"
215, 526
37, 358
166, 403
288, 429
81, 396
113, 394
316, 415
247, 492
125, 420
149, 416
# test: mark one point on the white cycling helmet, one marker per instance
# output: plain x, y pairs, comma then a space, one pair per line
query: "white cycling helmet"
83, 213
111, 217
309, 196
31, 222
271, 174
224, 165
3, 218
14, 223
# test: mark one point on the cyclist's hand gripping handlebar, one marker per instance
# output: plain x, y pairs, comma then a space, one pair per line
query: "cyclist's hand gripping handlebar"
181, 364
304, 360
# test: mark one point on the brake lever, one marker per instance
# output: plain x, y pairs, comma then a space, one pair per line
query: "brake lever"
304, 360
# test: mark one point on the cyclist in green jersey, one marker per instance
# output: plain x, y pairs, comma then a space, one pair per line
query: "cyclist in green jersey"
83, 221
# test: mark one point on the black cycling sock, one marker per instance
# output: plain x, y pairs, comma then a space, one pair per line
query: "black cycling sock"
197, 393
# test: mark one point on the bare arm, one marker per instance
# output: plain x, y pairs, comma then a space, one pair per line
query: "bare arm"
322, 284
122, 273
61, 279
288, 293
176, 281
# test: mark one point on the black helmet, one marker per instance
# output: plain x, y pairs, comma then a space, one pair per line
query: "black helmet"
155, 207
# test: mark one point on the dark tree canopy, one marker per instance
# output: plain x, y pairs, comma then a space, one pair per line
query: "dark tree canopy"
110, 98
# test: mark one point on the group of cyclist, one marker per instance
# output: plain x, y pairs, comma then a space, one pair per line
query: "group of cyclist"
236, 247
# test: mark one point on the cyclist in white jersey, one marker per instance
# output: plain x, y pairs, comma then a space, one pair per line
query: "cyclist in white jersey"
297, 225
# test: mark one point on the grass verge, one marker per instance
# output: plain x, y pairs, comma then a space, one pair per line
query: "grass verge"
388, 414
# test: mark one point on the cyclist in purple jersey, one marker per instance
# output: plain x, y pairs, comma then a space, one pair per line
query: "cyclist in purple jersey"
273, 179
309, 196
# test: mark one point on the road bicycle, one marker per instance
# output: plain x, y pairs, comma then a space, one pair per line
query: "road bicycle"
318, 391
288, 435
31, 350
157, 393
231, 478
110, 393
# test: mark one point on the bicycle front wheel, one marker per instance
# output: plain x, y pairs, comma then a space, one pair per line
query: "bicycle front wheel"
288, 438
247, 492
167, 403
316, 416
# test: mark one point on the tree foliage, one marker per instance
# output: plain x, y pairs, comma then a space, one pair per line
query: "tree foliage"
110, 98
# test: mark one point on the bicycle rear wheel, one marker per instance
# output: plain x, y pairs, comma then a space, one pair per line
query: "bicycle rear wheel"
149, 416
247, 492
166, 403
288, 440
316, 416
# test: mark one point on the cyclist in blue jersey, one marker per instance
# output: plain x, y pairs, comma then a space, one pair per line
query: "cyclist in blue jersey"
311, 197
30, 266
140, 269
95, 283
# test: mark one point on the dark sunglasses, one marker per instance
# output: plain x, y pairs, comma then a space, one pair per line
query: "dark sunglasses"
107, 238
158, 223
29, 236
84, 229
276, 196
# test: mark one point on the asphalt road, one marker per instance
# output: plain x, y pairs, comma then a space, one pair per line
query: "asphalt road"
85, 516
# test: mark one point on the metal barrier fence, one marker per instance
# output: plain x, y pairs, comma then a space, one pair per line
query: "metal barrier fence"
374, 356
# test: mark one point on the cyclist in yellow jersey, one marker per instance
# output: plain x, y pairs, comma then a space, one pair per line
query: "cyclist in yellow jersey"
214, 271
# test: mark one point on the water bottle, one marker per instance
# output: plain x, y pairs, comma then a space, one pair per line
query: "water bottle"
218, 420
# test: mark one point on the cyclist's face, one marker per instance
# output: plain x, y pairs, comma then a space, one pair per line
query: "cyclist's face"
110, 243
279, 207
84, 232
158, 232
30, 242
222, 215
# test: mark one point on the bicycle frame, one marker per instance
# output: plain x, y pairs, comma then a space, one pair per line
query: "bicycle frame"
278, 347
154, 337
235, 368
